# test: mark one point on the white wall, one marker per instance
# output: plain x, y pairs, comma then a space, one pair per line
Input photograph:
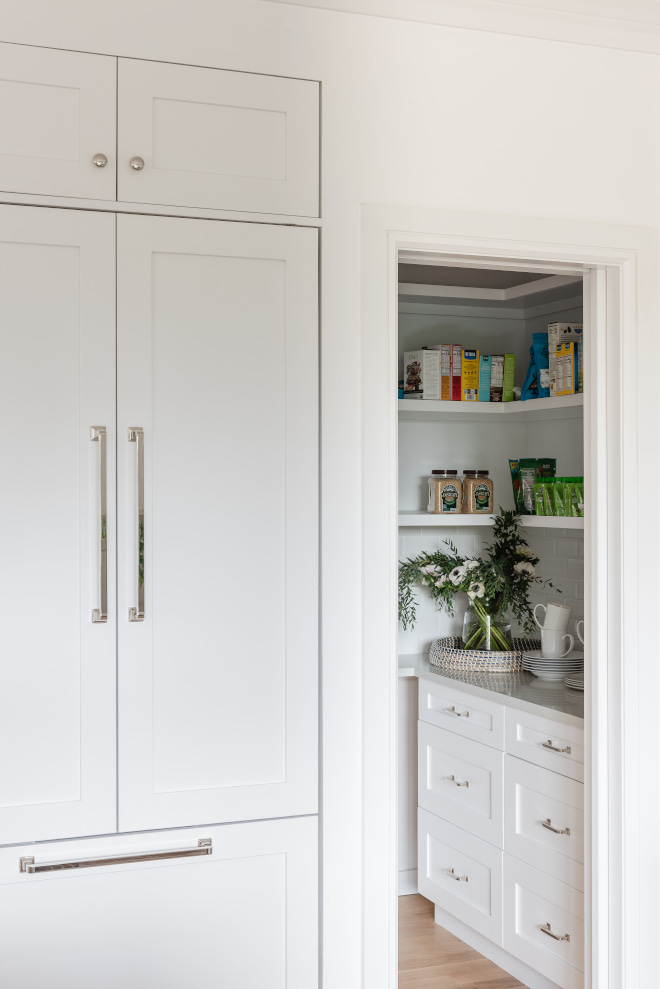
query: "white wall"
436, 117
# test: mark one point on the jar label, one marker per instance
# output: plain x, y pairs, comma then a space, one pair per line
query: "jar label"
482, 498
450, 498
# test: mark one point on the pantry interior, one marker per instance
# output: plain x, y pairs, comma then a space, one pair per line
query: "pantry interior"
494, 309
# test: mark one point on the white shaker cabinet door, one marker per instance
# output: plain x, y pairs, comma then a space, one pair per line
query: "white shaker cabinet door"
242, 917
57, 382
217, 139
57, 114
217, 394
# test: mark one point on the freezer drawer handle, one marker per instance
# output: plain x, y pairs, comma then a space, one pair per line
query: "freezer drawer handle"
548, 824
458, 714
204, 847
558, 937
136, 435
550, 745
98, 434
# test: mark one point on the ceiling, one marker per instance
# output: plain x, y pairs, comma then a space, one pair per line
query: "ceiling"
436, 274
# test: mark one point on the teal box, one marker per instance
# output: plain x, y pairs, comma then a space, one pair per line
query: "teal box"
485, 364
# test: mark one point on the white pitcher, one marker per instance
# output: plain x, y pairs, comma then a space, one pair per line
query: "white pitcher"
556, 616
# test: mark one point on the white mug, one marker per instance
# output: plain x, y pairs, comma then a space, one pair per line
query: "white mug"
555, 618
552, 643
580, 634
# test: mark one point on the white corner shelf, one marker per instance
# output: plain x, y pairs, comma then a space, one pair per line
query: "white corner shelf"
562, 407
452, 521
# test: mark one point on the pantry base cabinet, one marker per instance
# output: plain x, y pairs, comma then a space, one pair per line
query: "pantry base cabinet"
500, 830
242, 917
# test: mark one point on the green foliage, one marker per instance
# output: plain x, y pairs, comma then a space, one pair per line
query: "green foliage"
500, 581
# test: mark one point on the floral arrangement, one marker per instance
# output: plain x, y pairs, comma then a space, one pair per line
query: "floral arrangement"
496, 585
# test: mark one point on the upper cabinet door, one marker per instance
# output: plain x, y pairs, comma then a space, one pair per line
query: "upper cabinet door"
217, 140
218, 509
57, 114
57, 524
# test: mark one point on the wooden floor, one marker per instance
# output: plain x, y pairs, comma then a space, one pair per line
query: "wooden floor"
431, 958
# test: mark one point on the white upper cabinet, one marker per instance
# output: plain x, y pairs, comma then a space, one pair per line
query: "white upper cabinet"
217, 140
57, 113
57, 665
217, 365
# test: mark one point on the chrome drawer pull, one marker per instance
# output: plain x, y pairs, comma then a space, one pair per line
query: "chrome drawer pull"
548, 824
98, 434
459, 714
549, 745
204, 847
557, 937
459, 879
452, 779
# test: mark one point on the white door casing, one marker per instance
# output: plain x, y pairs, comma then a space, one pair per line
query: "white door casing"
217, 139
57, 380
57, 112
217, 363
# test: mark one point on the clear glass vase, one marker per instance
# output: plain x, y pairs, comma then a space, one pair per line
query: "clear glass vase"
485, 631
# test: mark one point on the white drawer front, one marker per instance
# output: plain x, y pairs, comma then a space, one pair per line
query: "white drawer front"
463, 714
544, 820
461, 781
536, 907
170, 923
462, 874
546, 743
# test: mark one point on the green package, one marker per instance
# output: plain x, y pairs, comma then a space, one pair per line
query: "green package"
579, 489
509, 376
570, 498
515, 481
538, 498
532, 470
558, 498
548, 497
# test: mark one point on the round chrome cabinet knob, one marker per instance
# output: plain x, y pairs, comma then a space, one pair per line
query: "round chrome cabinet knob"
100, 161
137, 163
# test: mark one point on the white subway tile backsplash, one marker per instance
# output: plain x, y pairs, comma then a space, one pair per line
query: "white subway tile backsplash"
562, 560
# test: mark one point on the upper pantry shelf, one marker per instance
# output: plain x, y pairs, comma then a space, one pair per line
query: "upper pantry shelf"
527, 521
562, 407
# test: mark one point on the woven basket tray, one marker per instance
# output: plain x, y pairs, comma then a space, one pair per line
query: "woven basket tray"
448, 654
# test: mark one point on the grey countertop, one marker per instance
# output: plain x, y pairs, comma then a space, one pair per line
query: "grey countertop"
523, 690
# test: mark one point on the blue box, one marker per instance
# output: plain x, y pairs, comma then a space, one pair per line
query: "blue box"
485, 364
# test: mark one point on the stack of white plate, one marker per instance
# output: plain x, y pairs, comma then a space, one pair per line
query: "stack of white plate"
576, 682
552, 669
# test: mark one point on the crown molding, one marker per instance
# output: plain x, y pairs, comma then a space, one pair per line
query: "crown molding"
638, 31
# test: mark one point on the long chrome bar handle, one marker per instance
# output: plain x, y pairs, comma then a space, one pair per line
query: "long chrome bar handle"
27, 864
98, 434
548, 824
136, 435
550, 745
557, 937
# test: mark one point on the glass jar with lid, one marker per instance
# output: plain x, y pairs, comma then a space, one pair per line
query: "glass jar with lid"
445, 492
477, 493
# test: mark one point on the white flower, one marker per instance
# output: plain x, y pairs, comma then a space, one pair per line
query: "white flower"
526, 568
471, 564
441, 581
457, 576
430, 569
476, 590
523, 551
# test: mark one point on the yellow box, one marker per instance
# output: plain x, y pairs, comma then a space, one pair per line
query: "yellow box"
470, 376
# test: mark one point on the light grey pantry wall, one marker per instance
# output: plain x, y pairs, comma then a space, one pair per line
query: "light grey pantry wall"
425, 325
